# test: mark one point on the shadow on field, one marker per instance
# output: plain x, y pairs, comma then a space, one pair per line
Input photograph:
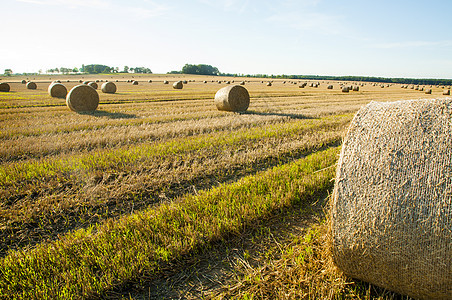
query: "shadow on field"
292, 116
110, 115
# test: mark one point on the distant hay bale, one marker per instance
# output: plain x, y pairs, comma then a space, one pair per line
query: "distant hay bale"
269, 83
184, 82
82, 98
80, 81
228, 82
242, 82
446, 92
97, 80
421, 89
232, 98
86, 82
165, 82
345, 89
31, 85
356, 88
205, 81
134, 82
428, 91
391, 208
150, 81
108, 87
178, 85
4, 87
23, 81
57, 90
330, 87
93, 85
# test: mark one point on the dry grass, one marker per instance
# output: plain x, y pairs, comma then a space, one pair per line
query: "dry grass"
149, 144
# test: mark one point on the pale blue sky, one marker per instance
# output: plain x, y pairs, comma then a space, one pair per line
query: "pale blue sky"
310, 37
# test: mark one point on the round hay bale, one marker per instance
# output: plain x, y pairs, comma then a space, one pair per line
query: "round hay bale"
269, 83
134, 82
86, 82
356, 88
232, 98
391, 208
80, 81
93, 85
108, 87
178, 85
23, 81
4, 87
97, 80
428, 91
228, 82
205, 81
165, 82
345, 89
31, 85
330, 87
57, 90
82, 98
446, 92
150, 81
58, 81
421, 89
184, 82
242, 82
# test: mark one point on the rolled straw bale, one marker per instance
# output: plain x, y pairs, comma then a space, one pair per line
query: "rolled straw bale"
184, 82
24, 81
391, 210
4, 87
356, 88
57, 90
134, 82
446, 92
345, 89
150, 81
178, 85
86, 82
80, 81
108, 87
31, 85
330, 87
421, 89
205, 81
228, 82
93, 85
428, 91
165, 82
232, 98
242, 82
82, 98
269, 83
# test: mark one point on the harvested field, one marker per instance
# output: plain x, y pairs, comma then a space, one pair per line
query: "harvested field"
156, 177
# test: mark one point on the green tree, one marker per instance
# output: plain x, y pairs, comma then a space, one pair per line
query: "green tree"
8, 72
126, 69
200, 69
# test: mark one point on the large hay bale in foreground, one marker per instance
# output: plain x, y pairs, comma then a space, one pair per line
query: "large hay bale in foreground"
31, 85
108, 87
4, 87
391, 213
178, 85
57, 90
82, 98
232, 98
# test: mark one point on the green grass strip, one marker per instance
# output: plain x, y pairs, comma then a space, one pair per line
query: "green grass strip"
92, 261
80, 165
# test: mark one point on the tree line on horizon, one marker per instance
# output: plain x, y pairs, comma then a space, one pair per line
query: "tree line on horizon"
203, 69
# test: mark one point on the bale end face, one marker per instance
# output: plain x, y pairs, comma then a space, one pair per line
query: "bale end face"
57, 90
232, 98
391, 208
178, 85
82, 98
4, 87
31, 85
108, 87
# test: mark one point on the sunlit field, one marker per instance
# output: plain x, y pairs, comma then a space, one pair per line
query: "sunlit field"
157, 194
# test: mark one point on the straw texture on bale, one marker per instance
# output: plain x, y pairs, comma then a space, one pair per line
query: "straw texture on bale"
446, 92
391, 210
178, 85
57, 90
345, 89
93, 85
82, 98
31, 85
108, 87
232, 98
428, 91
4, 87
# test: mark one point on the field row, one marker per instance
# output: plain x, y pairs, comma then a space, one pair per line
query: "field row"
89, 262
